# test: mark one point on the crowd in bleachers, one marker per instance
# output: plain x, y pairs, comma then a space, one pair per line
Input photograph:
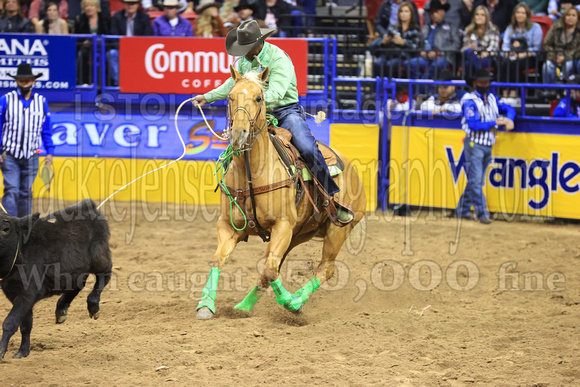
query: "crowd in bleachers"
178, 18
529, 41
166, 17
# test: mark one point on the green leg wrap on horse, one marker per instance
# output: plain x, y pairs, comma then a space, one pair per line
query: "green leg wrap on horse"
305, 291
289, 301
208, 294
248, 303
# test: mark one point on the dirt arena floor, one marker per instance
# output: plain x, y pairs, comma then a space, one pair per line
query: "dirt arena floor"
367, 327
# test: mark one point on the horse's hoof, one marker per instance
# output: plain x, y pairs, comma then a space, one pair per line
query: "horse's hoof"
60, 319
20, 355
95, 315
204, 313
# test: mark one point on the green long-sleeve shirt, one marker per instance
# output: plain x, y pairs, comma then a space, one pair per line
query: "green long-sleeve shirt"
280, 89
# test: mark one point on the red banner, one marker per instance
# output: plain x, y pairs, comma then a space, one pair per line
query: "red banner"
190, 65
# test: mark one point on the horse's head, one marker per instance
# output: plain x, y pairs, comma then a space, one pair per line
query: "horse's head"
247, 108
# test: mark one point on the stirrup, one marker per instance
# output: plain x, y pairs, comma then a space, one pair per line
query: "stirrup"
344, 212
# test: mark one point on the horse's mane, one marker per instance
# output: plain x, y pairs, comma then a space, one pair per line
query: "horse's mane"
254, 77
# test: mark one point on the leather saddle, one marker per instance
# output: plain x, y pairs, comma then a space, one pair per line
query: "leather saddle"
290, 157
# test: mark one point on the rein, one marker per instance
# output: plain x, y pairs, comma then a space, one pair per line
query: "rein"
252, 124
248, 145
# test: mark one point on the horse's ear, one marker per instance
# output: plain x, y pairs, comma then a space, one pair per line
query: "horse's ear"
235, 74
264, 74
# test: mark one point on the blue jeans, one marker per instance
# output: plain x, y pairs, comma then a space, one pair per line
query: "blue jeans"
474, 62
19, 174
113, 63
292, 117
420, 64
390, 68
477, 159
549, 70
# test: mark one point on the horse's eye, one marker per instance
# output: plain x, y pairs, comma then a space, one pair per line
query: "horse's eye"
258, 99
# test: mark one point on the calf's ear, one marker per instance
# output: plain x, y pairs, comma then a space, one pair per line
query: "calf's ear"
25, 224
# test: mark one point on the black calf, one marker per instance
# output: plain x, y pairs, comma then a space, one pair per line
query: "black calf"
40, 258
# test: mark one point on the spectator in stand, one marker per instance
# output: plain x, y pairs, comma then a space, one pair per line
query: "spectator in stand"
130, 21
404, 35
12, 19
481, 120
171, 24
227, 13
75, 8
500, 11
554, 10
372, 11
53, 24
209, 23
401, 102
275, 14
521, 42
562, 46
246, 10
537, 7
562, 109
452, 16
447, 99
387, 15
480, 42
90, 21
37, 10
441, 42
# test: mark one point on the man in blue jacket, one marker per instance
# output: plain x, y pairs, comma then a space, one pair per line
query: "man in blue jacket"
562, 109
483, 115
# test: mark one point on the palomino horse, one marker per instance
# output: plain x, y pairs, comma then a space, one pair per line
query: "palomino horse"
275, 211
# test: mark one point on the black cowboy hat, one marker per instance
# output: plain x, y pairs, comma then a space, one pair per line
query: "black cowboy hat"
435, 5
245, 4
246, 37
25, 71
445, 75
480, 75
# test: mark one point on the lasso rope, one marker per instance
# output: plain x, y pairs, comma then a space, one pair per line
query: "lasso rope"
221, 168
163, 166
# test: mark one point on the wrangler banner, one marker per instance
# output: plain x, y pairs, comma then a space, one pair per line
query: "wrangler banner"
530, 174
190, 65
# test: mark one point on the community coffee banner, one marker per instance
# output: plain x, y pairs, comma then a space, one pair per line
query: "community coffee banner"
190, 65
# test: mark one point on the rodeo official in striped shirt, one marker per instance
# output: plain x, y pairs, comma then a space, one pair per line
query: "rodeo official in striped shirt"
24, 119
481, 119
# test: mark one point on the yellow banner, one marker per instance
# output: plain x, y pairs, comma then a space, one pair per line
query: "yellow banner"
530, 174
360, 144
187, 182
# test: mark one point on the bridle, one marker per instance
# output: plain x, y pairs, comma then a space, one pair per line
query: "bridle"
253, 136
247, 147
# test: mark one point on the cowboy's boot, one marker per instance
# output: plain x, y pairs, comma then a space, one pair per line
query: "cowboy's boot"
344, 215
